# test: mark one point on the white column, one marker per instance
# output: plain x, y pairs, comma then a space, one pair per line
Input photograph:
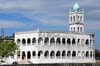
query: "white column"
71, 54
61, 42
65, 41
71, 41
89, 55
26, 55
55, 41
31, 41
26, 42
76, 42
49, 41
36, 55
92, 55
31, 54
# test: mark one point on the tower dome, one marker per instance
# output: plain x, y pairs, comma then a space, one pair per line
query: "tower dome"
76, 6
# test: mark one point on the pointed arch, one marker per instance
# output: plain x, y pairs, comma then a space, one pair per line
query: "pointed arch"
74, 54
52, 54
23, 55
73, 41
68, 41
40, 53
63, 53
87, 54
63, 41
23, 41
46, 54
33, 53
40, 40
52, 41
58, 54
58, 41
28, 41
28, 55
34, 40
69, 53
18, 41
87, 42
46, 41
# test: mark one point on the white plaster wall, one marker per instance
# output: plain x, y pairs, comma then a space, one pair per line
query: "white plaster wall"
36, 47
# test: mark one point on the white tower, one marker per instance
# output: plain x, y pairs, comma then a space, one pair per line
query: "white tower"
76, 19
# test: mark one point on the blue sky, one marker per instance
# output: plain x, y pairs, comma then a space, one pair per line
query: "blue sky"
24, 15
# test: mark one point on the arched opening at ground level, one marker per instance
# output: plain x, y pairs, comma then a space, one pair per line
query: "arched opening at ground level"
28, 55
23, 55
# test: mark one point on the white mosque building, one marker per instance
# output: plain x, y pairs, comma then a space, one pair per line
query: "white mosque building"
58, 46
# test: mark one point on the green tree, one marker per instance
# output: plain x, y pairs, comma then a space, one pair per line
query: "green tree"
7, 48
97, 54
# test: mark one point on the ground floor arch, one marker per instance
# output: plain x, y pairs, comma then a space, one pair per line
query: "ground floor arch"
23, 55
28, 55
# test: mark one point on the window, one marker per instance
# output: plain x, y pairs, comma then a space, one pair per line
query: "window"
46, 40
74, 18
23, 41
78, 41
78, 29
81, 18
34, 40
63, 41
81, 29
68, 41
28, 40
87, 42
34, 53
52, 40
18, 41
74, 28
46, 54
73, 54
58, 41
40, 40
73, 41
71, 18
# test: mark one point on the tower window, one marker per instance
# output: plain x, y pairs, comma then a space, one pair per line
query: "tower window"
81, 18
74, 28
78, 29
71, 29
81, 29
71, 18
78, 18
74, 18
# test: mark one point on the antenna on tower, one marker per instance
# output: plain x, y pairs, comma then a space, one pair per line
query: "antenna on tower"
2, 31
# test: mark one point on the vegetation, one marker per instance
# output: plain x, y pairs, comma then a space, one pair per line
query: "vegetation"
7, 48
97, 54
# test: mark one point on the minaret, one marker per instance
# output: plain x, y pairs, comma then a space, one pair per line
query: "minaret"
76, 19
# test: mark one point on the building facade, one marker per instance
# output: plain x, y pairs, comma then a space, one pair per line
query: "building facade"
56, 46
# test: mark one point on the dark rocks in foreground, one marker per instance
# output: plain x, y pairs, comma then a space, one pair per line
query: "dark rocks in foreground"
54, 65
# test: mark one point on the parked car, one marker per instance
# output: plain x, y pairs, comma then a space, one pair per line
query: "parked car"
3, 62
15, 63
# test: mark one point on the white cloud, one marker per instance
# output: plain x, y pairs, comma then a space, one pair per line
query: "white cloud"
52, 8
14, 24
92, 25
51, 21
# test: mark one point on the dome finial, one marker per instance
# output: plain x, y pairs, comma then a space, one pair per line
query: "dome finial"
76, 6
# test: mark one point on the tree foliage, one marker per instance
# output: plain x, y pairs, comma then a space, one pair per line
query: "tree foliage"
97, 54
7, 48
